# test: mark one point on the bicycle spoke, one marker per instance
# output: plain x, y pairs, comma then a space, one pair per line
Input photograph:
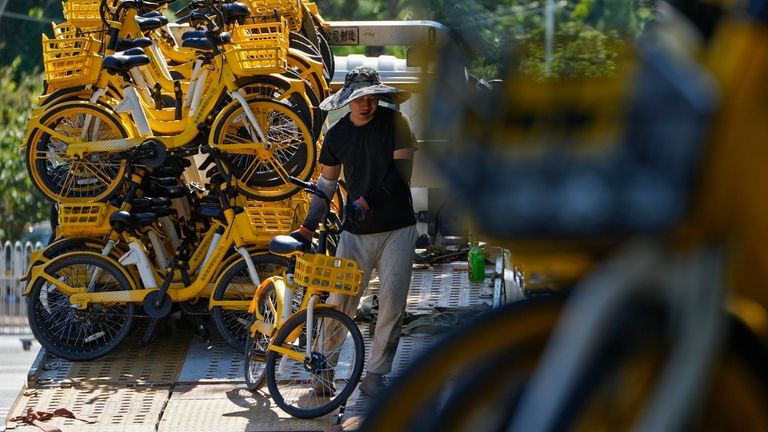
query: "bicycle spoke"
279, 169
98, 173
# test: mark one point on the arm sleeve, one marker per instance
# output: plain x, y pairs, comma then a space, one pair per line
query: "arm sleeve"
318, 206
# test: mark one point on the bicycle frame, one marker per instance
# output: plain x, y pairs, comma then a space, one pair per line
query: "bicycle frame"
233, 234
285, 288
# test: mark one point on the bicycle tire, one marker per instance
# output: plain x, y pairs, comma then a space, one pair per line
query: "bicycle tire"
526, 324
302, 43
236, 285
290, 382
256, 345
71, 333
61, 178
329, 61
293, 153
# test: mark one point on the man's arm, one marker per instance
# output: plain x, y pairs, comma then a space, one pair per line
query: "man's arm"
329, 177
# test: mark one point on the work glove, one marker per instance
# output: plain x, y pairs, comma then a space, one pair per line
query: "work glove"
356, 210
303, 234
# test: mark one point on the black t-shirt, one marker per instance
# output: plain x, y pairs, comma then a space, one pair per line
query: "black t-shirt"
365, 153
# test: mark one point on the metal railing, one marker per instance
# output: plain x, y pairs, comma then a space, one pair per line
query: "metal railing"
14, 261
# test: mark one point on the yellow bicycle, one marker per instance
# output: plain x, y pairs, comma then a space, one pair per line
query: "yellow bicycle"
310, 353
74, 148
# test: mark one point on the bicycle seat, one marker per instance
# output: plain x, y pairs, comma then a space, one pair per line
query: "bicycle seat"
123, 219
165, 181
209, 208
286, 245
168, 171
121, 62
148, 24
202, 44
235, 11
151, 14
142, 204
193, 34
177, 191
125, 44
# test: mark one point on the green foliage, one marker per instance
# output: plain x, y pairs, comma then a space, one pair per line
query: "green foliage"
20, 203
587, 32
20, 36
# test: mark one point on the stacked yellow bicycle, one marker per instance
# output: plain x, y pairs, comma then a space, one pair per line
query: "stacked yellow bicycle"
130, 105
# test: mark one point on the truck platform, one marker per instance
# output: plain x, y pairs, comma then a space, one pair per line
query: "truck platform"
181, 382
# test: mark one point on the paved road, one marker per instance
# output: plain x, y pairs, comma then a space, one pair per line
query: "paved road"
14, 364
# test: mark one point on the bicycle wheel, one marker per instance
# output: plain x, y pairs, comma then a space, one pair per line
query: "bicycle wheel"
65, 178
256, 344
609, 394
312, 72
613, 391
262, 173
329, 61
522, 328
315, 87
236, 287
318, 385
274, 88
75, 334
302, 43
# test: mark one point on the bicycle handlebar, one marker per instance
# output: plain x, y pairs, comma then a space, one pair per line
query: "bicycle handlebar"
310, 187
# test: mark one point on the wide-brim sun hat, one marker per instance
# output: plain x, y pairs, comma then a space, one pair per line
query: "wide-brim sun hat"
363, 81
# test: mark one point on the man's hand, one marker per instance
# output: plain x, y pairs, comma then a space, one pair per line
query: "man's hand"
356, 210
303, 234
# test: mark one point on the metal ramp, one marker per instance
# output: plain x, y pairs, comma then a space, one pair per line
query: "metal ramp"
180, 383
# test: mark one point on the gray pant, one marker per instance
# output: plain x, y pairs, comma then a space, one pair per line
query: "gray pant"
391, 253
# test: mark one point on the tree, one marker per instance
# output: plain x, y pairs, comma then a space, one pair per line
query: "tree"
20, 29
588, 32
20, 203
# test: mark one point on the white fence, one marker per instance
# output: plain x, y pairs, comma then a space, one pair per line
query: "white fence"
13, 305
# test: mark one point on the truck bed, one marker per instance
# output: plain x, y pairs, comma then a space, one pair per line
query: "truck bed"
180, 382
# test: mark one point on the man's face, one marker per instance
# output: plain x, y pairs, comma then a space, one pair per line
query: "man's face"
362, 109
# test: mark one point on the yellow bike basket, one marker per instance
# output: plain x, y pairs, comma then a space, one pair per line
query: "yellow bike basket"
329, 274
267, 222
71, 61
82, 12
259, 49
85, 220
69, 29
291, 10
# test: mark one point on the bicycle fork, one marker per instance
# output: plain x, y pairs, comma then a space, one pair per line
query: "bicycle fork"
310, 340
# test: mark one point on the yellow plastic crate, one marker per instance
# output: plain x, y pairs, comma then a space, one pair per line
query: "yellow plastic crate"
267, 222
68, 29
259, 49
329, 274
291, 10
71, 61
82, 12
85, 220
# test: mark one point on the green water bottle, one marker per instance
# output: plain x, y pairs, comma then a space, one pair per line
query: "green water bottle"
476, 263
